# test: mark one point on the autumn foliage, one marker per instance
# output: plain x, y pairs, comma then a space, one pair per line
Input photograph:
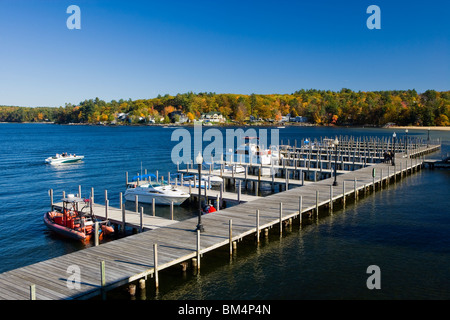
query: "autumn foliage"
345, 107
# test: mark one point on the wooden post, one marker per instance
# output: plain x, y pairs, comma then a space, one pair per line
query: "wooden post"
123, 219
257, 226
343, 193
171, 210
381, 178
51, 199
120, 201
239, 192
317, 203
153, 207
102, 274
354, 186
126, 178
141, 220
136, 202
79, 191
33, 292
96, 233
155, 264
106, 208
300, 209
281, 218
198, 249
331, 198
217, 203
230, 235
92, 195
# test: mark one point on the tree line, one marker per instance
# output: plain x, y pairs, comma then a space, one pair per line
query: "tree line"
321, 107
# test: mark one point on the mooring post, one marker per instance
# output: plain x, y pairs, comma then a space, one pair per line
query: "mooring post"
381, 179
217, 203
230, 235
102, 275
300, 209
281, 218
136, 203
239, 192
33, 292
171, 210
331, 198
343, 193
355, 191
153, 207
96, 233
317, 203
155, 264
198, 249
120, 200
141, 220
123, 219
51, 199
257, 226
92, 195
106, 209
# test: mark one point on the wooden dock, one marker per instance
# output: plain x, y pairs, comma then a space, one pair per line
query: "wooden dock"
135, 257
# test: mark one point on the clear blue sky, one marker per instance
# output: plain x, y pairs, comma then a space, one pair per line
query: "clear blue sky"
139, 49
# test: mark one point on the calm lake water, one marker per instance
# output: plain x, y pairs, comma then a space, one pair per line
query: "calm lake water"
404, 229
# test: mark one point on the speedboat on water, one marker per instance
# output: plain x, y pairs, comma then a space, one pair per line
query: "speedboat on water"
63, 158
163, 193
72, 222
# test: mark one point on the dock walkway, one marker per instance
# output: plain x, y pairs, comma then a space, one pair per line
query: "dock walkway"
122, 261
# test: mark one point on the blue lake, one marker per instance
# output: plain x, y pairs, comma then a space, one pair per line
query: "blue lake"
403, 229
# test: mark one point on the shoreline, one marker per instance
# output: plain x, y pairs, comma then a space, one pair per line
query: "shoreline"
440, 128
431, 128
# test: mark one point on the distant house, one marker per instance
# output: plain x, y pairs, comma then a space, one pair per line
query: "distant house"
213, 116
122, 116
178, 117
298, 119
285, 118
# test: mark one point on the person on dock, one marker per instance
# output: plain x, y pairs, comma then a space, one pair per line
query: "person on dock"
207, 208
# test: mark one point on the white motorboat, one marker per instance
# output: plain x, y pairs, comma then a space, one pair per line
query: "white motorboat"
212, 179
163, 194
276, 154
63, 158
193, 182
250, 152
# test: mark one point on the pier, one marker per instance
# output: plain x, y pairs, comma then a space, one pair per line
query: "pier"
161, 245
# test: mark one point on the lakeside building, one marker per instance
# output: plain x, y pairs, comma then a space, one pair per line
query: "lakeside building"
213, 116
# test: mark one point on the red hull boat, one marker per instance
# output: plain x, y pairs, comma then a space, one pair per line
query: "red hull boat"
71, 222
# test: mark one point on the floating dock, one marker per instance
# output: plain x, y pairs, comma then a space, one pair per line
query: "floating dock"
121, 262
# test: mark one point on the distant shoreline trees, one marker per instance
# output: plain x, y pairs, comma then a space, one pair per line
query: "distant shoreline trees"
342, 108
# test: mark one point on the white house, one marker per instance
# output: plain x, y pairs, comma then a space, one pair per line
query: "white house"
213, 116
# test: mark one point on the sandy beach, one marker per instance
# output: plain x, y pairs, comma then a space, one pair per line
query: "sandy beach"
421, 128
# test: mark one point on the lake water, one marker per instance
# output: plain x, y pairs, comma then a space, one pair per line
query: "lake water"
403, 229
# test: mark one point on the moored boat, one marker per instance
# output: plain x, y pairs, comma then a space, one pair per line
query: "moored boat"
163, 193
72, 222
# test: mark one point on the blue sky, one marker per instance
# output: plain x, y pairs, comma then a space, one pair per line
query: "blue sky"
139, 49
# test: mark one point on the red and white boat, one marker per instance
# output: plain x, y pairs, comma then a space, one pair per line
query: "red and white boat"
71, 222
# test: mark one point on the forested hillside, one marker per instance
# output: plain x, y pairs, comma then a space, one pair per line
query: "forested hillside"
346, 107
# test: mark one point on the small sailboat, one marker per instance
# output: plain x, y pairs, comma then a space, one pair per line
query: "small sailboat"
163, 193
72, 222
63, 158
